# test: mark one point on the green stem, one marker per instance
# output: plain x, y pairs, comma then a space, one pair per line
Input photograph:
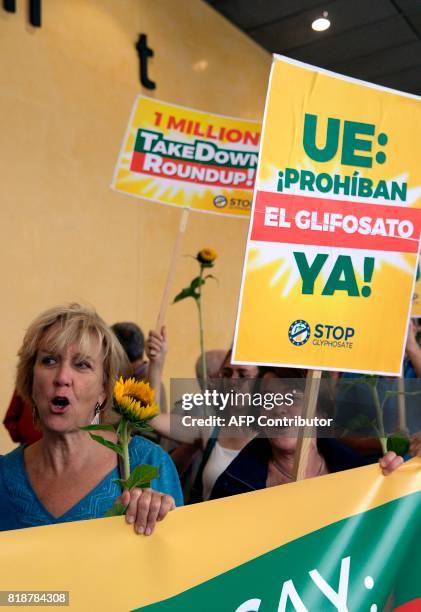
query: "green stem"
125, 446
202, 343
380, 423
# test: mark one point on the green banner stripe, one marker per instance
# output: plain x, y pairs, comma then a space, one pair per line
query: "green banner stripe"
384, 558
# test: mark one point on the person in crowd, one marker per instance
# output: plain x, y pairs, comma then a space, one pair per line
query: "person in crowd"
19, 422
268, 459
188, 457
412, 361
223, 444
132, 339
68, 363
220, 445
415, 445
18, 419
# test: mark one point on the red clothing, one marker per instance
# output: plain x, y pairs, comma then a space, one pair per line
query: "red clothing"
18, 421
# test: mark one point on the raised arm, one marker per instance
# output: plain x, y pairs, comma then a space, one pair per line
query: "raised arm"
156, 351
166, 424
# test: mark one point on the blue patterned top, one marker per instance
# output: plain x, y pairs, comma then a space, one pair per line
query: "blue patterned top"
20, 506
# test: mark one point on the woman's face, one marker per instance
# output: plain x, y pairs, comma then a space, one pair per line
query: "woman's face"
237, 379
237, 372
67, 386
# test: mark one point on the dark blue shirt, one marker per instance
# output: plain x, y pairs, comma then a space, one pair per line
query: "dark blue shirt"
249, 470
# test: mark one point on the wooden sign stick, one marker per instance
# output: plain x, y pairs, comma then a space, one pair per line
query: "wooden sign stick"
171, 271
402, 424
168, 287
304, 437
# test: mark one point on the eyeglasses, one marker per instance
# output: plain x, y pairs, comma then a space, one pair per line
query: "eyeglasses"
298, 396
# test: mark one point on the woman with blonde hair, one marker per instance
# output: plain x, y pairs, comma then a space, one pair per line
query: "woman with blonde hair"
68, 364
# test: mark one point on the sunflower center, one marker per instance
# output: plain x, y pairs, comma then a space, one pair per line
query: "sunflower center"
136, 398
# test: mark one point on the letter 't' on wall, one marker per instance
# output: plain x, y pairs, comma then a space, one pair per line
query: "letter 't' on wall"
144, 53
34, 10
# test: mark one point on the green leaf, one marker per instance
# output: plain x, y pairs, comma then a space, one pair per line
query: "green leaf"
190, 291
359, 422
212, 276
144, 485
389, 394
120, 424
140, 485
142, 475
398, 443
185, 293
99, 427
116, 510
115, 447
196, 283
353, 383
142, 426
121, 483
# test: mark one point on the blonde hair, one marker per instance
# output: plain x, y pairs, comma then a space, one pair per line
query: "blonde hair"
74, 324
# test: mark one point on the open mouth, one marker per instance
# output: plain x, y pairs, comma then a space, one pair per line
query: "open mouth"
59, 403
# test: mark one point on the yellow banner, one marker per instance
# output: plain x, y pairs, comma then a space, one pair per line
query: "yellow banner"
184, 157
334, 236
220, 554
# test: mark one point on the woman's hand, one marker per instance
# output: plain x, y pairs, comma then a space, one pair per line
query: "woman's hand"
415, 445
156, 346
390, 462
145, 508
156, 349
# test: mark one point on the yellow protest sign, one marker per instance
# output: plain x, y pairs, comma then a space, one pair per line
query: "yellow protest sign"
263, 547
184, 157
333, 242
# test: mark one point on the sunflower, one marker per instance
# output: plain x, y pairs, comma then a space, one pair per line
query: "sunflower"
206, 256
134, 400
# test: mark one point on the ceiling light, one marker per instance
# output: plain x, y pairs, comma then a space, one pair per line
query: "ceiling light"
322, 23
200, 66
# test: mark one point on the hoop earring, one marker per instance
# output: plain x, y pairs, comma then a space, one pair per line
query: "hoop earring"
97, 412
